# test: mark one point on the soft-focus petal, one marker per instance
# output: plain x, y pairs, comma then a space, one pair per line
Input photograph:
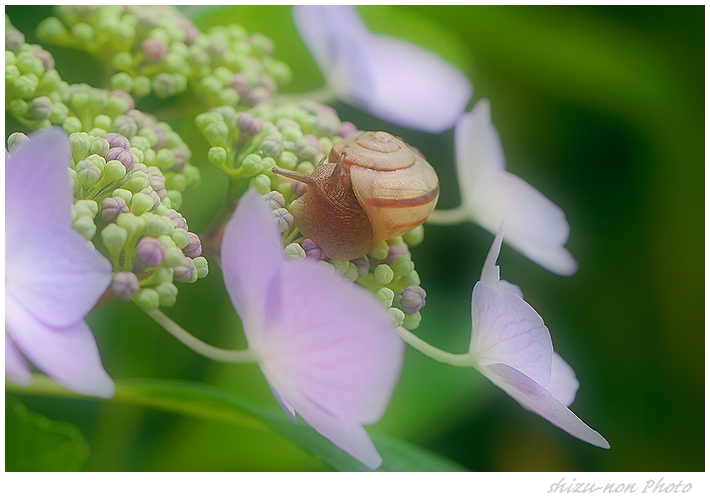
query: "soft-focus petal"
37, 183
251, 256
16, 368
331, 344
68, 356
563, 383
54, 273
536, 227
389, 77
539, 400
507, 330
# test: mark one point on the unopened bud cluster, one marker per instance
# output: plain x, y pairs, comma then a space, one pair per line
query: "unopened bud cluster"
157, 49
295, 136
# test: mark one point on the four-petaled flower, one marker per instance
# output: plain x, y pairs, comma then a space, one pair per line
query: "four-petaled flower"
327, 348
391, 78
53, 276
511, 346
536, 226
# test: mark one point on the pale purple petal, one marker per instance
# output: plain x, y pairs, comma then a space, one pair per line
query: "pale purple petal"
54, 273
539, 400
536, 227
332, 344
479, 151
563, 383
37, 183
507, 330
415, 87
68, 356
16, 368
252, 255
389, 77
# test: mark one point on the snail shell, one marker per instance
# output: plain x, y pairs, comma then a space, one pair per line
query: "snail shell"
374, 188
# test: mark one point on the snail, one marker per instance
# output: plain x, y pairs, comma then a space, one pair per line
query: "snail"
373, 188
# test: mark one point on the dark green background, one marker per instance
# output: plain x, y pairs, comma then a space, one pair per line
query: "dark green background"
601, 109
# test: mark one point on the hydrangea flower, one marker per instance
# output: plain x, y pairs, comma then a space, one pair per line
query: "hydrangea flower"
327, 348
388, 77
536, 226
511, 346
53, 276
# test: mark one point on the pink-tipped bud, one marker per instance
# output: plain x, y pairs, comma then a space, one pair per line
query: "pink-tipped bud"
154, 49
312, 250
411, 299
116, 140
125, 285
151, 251
112, 207
194, 247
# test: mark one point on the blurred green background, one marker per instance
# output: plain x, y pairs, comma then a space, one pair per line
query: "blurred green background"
600, 108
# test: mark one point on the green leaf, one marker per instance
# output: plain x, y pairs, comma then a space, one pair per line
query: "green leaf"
211, 403
35, 443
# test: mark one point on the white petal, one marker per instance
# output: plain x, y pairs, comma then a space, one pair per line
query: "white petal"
479, 151
251, 256
536, 227
537, 399
54, 273
68, 356
15, 366
37, 183
331, 345
507, 330
563, 383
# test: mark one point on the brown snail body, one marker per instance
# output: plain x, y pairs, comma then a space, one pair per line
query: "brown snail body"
373, 188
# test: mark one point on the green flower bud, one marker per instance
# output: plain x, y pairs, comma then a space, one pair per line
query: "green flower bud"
271, 146
11, 71
114, 170
141, 86
141, 203
205, 119
28, 63
173, 257
149, 134
40, 108
51, 29
155, 225
87, 173
403, 266
340, 266
114, 238
175, 198
411, 321
351, 272
122, 61
99, 146
380, 250
162, 275
60, 112
103, 121
397, 315
83, 32
165, 159
16, 140
217, 156
126, 195
415, 236
386, 296
252, 164
211, 84
25, 85
126, 126
164, 85
262, 183
19, 107
132, 223
98, 132
201, 266
148, 299
413, 279
85, 226
121, 81
217, 133
294, 252
88, 208
140, 155
167, 293
383, 274
180, 237
279, 70
288, 160
177, 181
72, 125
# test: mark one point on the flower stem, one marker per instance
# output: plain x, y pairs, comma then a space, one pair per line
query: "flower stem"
202, 348
323, 95
450, 216
431, 351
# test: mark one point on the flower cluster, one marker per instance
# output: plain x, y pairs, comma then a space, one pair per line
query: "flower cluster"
295, 136
157, 49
